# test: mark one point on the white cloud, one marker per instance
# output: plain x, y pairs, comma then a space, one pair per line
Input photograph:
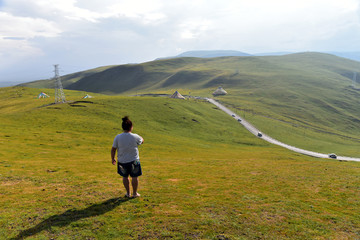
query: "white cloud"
15, 33
194, 28
146, 12
25, 27
52, 10
68, 9
136, 30
138, 10
275, 25
13, 50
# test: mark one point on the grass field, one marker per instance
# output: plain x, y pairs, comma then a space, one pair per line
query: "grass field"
205, 177
304, 99
312, 121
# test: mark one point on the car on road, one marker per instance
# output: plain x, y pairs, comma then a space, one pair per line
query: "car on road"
332, 155
259, 134
239, 120
233, 115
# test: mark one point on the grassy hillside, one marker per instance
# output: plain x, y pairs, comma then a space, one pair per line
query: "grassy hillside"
303, 99
205, 177
249, 72
316, 112
65, 80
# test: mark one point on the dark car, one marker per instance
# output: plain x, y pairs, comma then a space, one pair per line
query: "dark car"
233, 115
332, 155
239, 120
259, 134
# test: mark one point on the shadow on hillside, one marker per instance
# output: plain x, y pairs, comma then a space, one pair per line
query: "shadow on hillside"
72, 215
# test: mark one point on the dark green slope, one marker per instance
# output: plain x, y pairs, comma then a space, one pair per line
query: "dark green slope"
66, 80
157, 75
117, 79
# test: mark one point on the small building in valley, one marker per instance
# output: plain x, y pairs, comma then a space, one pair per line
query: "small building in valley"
177, 95
42, 95
219, 91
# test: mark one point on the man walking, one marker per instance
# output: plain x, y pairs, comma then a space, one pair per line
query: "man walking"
128, 160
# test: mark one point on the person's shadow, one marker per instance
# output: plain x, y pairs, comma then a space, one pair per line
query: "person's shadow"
71, 215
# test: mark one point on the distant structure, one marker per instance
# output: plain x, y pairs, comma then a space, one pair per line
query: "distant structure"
88, 96
354, 80
219, 91
177, 95
59, 92
42, 95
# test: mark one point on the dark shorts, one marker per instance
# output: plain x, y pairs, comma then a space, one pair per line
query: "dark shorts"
132, 168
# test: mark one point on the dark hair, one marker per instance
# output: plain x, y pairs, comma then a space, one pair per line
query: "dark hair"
126, 123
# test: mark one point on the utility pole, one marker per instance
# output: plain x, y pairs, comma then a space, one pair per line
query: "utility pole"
59, 92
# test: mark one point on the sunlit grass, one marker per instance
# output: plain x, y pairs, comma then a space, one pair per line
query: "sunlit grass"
303, 99
205, 177
308, 126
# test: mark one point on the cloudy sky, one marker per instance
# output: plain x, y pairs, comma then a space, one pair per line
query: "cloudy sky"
83, 34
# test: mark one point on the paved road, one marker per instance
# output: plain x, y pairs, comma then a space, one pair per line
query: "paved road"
255, 131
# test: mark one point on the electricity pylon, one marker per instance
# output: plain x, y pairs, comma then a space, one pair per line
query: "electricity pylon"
59, 92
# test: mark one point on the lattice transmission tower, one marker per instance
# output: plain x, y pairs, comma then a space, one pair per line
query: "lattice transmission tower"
354, 80
59, 92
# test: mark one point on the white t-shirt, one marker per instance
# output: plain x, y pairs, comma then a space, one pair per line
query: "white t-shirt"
127, 147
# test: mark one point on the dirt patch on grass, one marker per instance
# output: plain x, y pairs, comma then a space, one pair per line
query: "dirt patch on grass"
174, 180
10, 183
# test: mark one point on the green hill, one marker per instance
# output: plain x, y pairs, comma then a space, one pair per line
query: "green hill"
304, 99
249, 72
315, 108
205, 176
212, 53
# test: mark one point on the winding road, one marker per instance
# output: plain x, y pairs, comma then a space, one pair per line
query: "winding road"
255, 131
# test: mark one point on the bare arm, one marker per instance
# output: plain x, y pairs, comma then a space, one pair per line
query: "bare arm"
113, 152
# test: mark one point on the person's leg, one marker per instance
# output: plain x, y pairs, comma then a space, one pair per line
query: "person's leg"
126, 183
135, 183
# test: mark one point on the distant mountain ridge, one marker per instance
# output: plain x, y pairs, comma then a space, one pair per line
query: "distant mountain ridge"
213, 53
208, 54
350, 55
203, 73
227, 53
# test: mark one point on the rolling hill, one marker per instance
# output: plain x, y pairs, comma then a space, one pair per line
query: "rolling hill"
209, 54
204, 176
309, 97
251, 72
